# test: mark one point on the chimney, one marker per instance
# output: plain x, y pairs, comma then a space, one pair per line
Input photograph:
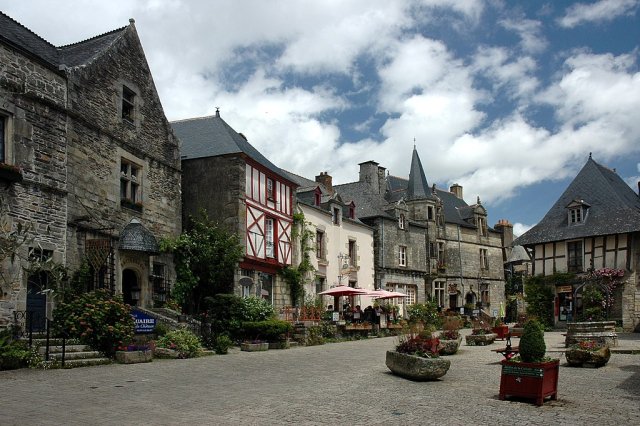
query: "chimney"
369, 175
325, 179
506, 230
456, 190
382, 186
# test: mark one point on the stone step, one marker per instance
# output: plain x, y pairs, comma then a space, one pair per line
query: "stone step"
75, 355
68, 348
74, 363
53, 342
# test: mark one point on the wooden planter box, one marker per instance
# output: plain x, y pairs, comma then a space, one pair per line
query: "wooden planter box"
531, 380
133, 357
501, 331
254, 347
415, 367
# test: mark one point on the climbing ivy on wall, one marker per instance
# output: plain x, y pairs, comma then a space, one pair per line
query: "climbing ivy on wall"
295, 276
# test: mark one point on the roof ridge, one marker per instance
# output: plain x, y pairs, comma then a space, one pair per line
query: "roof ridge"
30, 30
193, 119
92, 38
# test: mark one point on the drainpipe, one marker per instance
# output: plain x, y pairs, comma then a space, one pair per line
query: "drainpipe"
460, 261
381, 250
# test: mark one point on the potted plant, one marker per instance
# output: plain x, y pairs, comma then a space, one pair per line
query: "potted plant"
416, 357
481, 335
450, 337
133, 354
531, 374
591, 353
500, 329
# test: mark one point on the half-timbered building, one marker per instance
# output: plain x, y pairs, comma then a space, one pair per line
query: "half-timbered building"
595, 224
242, 190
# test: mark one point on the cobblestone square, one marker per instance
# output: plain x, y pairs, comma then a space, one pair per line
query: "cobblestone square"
339, 383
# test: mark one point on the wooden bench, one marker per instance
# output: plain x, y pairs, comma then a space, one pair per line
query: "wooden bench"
508, 352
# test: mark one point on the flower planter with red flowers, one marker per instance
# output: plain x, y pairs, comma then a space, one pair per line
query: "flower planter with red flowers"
531, 380
501, 331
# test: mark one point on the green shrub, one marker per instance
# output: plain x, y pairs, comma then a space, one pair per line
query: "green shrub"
222, 344
314, 336
98, 319
183, 341
426, 313
271, 330
256, 309
224, 314
14, 353
532, 346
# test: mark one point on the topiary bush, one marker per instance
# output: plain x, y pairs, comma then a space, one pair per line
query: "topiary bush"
270, 330
183, 341
532, 346
97, 319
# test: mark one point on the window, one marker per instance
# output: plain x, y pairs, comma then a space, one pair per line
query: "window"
128, 104
575, 215
335, 215
160, 284
484, 259
482, 226
271, 189
352, 253
130, 184
409, 289
268, 236
401, 223
319, 284
402, 256
574, 256
430, 214
441, 258
320, 244
484, 296
438, 292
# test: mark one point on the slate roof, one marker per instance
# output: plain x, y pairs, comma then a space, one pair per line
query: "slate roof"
615, 208
211, 136
136, 237
22, 38
417, 186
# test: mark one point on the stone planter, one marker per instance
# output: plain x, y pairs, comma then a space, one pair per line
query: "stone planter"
166, 353
254, 347
282, 344
415, 367
480, 339
133, 357
583, 358
603, 332
449, 347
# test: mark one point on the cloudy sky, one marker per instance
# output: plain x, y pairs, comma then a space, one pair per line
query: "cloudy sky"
506, 98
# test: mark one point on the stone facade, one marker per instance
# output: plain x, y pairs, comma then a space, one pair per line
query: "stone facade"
63, 122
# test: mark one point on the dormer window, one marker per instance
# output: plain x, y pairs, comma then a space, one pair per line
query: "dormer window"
352, 211
577, 212
401, 221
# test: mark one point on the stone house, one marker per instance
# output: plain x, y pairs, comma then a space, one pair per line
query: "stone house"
342, 246
96, 168
594, 224
243, 191
429, 243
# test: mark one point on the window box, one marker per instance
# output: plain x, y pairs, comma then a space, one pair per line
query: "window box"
10, 173
124, 202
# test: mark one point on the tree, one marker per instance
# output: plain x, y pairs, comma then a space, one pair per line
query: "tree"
205, 256
540, 293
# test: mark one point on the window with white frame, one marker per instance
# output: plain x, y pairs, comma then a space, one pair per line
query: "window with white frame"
484, 259
269, 238
409, 289
439, 292
402, 256
575, 215
130, 183
320, 245
401, 221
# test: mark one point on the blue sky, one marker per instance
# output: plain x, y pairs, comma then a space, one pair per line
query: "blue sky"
506, 98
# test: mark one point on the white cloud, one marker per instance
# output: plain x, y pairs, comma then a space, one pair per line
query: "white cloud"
520, 228
530, 33
601, 11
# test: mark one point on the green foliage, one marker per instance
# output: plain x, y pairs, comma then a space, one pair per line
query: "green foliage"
426, 313
270, 330
314, 336
532, 346
13, 353
592, 299
222, 344
98, 319
182, 340
224, 313
295, 276
205, 257
539, 296
256, 309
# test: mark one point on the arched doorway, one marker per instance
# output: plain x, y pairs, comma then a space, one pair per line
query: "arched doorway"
130, 287
37, 301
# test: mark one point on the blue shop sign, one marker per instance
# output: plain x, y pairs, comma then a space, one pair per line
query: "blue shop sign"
143, 323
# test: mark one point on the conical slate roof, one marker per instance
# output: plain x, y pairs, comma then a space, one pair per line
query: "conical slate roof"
136, 237
613, 208
417, 187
